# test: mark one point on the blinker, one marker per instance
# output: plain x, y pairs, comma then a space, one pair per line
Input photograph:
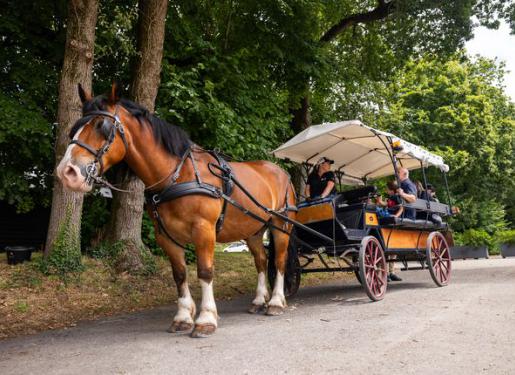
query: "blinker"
106, 128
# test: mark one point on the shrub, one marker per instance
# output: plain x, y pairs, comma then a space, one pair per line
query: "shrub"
189, 254
506, 237
148, 236
114, 257
478, 237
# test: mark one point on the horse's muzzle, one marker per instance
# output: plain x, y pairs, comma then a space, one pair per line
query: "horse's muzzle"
72, 177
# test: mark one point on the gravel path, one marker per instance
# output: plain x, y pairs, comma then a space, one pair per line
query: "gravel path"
465, 328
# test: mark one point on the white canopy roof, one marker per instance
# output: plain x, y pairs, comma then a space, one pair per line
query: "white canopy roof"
361, 152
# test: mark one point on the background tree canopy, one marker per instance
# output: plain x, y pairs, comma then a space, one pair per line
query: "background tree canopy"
234, 72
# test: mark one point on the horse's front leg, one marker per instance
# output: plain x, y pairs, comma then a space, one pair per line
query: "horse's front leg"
183, 319
277, 303
203, 234
255, 244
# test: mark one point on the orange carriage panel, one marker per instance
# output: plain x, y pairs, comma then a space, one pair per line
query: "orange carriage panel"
315, 213
371, 219
404, 239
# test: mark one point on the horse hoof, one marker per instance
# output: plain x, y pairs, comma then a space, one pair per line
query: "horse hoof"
203, 330
180, 327
254, 309
274, 310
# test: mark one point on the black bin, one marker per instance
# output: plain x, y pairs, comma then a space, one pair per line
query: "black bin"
18, 254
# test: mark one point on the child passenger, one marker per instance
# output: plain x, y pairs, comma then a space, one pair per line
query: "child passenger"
393, 205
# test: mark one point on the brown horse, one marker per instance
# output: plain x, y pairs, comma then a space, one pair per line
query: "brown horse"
153, 149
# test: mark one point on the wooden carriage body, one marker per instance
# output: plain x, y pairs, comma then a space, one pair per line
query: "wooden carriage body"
348, 221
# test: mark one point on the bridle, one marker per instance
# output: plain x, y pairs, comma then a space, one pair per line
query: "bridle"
92, 172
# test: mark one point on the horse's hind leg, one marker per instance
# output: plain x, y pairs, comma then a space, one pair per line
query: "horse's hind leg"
255, 244
278, 301
183, 320
203, 234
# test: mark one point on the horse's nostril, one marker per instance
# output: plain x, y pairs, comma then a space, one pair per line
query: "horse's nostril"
70, 173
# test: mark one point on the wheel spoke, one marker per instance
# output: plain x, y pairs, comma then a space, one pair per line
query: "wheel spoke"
438, 272
443, 277
374, 251
372, 280
377, 288
380, 279
446, 265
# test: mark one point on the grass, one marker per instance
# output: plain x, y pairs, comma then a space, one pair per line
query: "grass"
31, 302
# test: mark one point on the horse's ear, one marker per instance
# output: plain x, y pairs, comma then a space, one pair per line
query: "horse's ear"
114, 95
84, 96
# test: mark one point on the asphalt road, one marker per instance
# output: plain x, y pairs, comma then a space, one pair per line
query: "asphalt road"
467, 327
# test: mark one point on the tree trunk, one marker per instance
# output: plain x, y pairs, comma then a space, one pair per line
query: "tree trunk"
127, 209
301, 120
77, 68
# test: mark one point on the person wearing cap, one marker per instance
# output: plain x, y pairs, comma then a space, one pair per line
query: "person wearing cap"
429, 194
321, 181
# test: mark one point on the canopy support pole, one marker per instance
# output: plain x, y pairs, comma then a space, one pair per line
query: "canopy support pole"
447, 188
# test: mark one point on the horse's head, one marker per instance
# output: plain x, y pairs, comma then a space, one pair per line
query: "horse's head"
98, 141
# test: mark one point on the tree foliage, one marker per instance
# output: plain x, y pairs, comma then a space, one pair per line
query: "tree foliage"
234, 72
25, 154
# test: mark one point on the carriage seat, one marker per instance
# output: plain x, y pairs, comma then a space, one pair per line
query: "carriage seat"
408, 223
357, 195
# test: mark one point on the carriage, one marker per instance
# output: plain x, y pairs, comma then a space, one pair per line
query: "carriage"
346, 226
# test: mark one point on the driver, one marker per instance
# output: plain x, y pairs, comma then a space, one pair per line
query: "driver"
321, 181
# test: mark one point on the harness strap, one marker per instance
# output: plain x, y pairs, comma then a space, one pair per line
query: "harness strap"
179, 167
161, 227
84, 146
182, 189
195, 169
227, 186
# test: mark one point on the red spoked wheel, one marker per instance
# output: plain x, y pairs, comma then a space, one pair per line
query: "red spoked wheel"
438, 258
372, 268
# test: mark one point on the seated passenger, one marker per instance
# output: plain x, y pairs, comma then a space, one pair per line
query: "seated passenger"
393, 208
321, 182
393, 205
430, 195
408, 192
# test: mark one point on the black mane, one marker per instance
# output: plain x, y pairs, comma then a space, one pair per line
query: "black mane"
173, 138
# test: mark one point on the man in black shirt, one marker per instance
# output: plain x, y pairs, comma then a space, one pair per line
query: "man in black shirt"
321, 182
408, 192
